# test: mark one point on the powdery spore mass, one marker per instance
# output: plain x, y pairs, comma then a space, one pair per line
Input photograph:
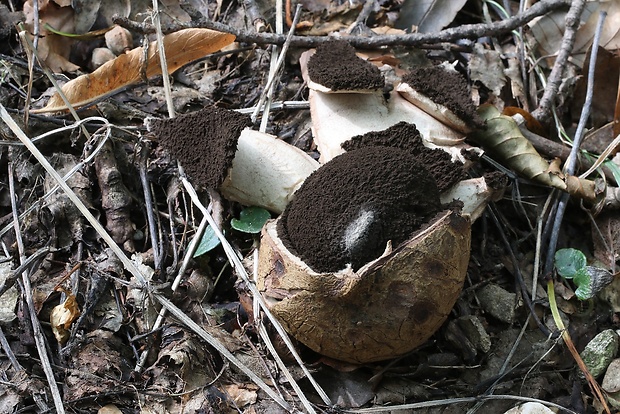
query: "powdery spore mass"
447, 88
204, 142
336, 66
347, 210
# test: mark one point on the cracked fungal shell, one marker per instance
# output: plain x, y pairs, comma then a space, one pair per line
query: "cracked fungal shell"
385, 309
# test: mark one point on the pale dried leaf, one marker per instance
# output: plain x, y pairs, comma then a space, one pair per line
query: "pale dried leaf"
62, 317
428, 15
486, 66
52, 49
549, 30
8, 300
181, 48
605, 92
242, 395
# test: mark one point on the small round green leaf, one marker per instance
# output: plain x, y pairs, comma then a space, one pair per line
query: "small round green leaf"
251, 220
208, 242
584, 286
569, 262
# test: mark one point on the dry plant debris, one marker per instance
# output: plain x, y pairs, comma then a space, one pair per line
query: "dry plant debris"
415, 158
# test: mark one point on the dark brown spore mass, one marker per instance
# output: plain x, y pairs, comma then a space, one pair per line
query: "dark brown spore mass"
406, 137
336, 66
447, 88
204, 142
348, 209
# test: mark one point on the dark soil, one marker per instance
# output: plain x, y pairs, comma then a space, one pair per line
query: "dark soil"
447, 88
348, 210
336, 66
406, 136
204, 142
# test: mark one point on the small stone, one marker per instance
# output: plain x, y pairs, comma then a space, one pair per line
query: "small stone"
600, 351
611, 383
530, 408
498, 302
475, 332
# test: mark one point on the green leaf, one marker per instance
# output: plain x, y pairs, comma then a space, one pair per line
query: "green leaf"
584, 286
208, 242
251, 220
569, 262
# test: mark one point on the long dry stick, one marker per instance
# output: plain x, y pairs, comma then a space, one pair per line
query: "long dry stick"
468, 31
573, 16
39, 339
569, 169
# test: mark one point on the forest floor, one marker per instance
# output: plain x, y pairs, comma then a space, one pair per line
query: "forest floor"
120, 294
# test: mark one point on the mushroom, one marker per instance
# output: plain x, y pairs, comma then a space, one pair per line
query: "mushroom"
218, 150
343, 106
442, 92
366, 262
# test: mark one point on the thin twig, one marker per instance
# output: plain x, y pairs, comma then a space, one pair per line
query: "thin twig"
596, 390
162, 59
518, 275
149, 205
468, 31
37, 331
254, 15
571, 162
9, 352
268, 91
543, 112
29, 45
287, 373
454, 402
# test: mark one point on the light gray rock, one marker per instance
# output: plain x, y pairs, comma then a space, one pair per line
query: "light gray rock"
600, 351
498, 302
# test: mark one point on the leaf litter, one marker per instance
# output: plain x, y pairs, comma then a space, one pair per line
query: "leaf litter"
123, 343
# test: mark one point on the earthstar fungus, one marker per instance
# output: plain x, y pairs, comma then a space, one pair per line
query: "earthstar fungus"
345, 101
366, 263
218, 150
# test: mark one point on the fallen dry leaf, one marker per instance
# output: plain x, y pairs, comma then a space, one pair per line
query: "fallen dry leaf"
605, 92
53, 49
181, 48
548, 31
487, 67
428, 16
241, 394
62, 317
503, 139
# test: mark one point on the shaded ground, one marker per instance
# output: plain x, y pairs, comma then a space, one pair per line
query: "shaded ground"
489, 355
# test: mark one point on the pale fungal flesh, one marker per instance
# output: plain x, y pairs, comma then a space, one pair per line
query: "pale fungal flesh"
266, 171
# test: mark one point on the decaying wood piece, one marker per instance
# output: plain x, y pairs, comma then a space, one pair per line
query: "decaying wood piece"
116, 199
